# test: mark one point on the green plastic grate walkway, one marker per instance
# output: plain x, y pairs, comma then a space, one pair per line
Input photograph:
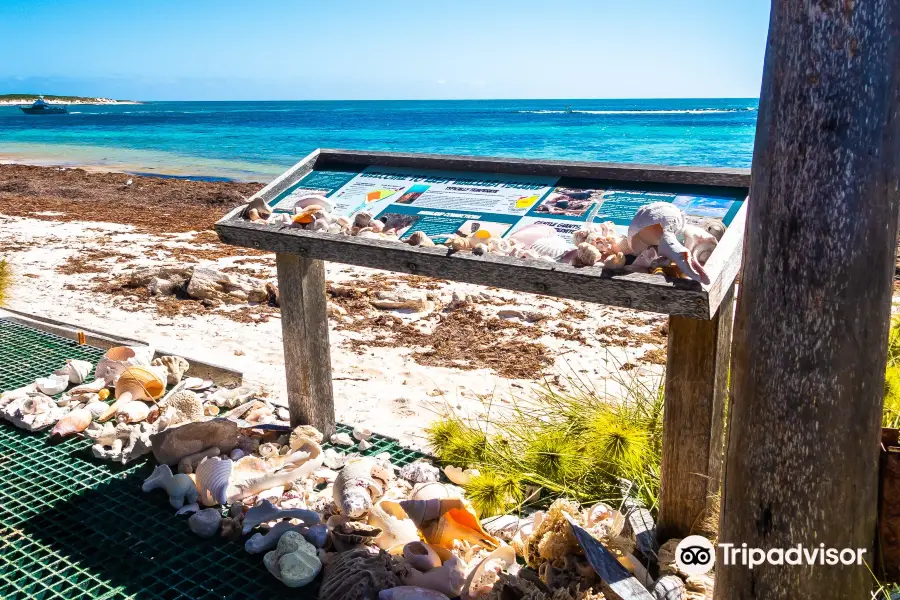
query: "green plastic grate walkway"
73, 527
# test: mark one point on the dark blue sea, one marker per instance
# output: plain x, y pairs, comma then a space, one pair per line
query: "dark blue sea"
257, 140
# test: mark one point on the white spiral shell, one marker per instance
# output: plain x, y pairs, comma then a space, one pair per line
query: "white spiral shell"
213, 477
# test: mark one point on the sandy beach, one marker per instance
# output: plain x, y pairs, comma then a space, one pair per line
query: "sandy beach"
73, 238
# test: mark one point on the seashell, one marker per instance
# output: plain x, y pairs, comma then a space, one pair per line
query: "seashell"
668, 587
143, 383
357, 575
530, 234
364, 445
252, 487
206, 522
480, 249
95, 387
315, 200
31, 410
179, 487
419, 238
132, 412
483, 577
553, 248
263, 542
397, 529
76, 370
714, 227
341, 439
614, 261
175, 366
361, 432
268, 450
294, 562
347, 535
659, 224
460, 476
230, 398
211, 410
410, 592
117, 359
188, 509
700, 242
96, 408
212, 478
421, 557
587, 255
334, 459
459, 244
52, 384
508, 527
436, 491
377, 226
197, 384
448, 521
361, 483
448, 579
362, 219
74, 422
267, 511
499, 246
420, 472
259, 205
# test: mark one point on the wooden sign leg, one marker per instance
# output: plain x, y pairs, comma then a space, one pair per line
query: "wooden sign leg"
694, 418
307, 356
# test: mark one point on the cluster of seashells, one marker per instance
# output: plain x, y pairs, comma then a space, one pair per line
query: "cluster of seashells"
659, 239
366, 527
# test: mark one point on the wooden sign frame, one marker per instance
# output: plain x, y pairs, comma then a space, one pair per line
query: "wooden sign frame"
700, 316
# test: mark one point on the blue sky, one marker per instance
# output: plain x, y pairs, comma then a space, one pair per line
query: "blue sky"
390, 49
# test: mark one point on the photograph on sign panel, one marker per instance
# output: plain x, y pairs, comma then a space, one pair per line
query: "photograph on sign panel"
495, 229
698, 209
570, 202
398, 222
412, 194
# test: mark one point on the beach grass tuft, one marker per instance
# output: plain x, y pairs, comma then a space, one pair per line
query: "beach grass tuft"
5, 280
570, 441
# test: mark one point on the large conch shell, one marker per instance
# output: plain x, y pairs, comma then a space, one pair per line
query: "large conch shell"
659, 224
117, 359
136, 383
360, 483
483, 577
212, 477
442, 522
76, 370
397, 529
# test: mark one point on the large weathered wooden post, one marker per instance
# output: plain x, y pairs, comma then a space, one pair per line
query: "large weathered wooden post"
813, 309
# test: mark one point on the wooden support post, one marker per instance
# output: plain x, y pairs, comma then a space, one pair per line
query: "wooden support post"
812, 319
694, 419
304, 327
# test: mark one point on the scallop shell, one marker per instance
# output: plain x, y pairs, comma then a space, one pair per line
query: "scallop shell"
212, 479
530, 234
74, 422
554, 248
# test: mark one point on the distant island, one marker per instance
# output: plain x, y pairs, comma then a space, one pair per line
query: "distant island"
6, 99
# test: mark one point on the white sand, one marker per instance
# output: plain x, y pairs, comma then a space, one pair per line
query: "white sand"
383, 388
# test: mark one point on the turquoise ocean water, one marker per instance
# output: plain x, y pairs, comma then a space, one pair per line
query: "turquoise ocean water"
258, 140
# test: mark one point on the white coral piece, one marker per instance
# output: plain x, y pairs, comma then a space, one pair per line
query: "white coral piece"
180, 488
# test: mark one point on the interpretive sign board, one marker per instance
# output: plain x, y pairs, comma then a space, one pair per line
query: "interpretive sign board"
443, 204
446, 196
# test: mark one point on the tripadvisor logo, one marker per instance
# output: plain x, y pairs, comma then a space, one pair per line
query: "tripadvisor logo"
695, 555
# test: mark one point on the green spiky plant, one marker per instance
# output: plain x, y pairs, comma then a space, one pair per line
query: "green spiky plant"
891, 414
576, 443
